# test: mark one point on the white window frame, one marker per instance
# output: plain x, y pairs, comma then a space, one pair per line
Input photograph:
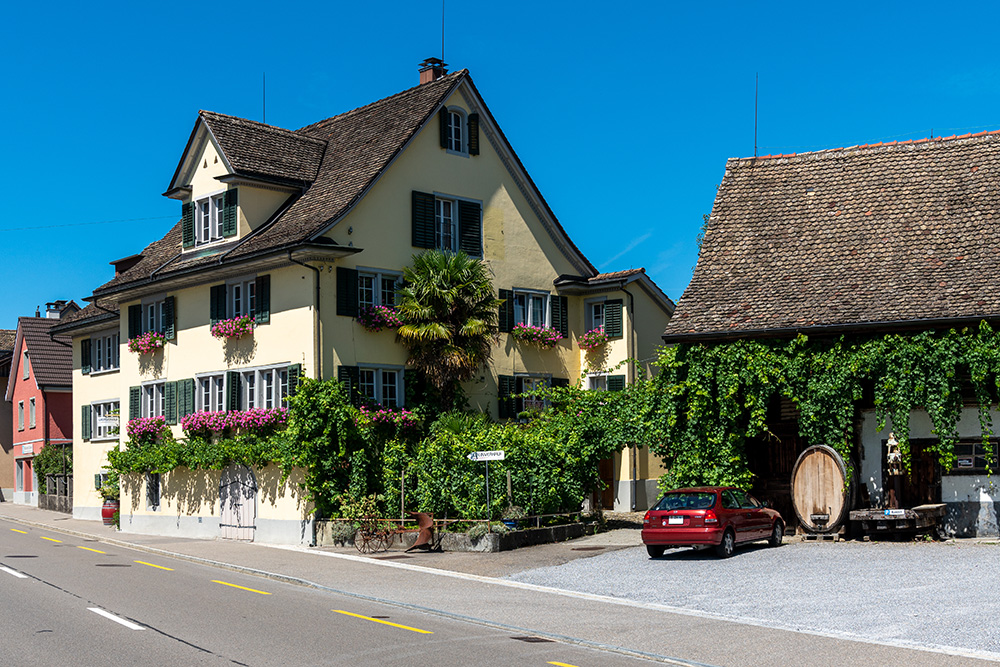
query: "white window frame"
377, 279
458, 124
31, 412
208, 218
154, 399
446, 227
214, 385
523, 299
593, 320
533, 404
380, 389
597, 381
105, 353
269, 385
154, 314
20, 415
103, 409
19, 484
241, 296
26, 363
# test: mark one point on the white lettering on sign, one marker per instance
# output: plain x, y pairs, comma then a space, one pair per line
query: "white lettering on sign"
27, 449
107, 422
487, 456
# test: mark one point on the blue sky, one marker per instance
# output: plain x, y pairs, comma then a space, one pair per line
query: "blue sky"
623, 113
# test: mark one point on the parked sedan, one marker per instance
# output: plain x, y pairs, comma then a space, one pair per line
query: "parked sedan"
721, 517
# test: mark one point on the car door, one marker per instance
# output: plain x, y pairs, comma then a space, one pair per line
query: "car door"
735, 514
757, 520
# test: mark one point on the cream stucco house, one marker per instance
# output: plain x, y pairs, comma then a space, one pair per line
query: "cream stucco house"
303, 229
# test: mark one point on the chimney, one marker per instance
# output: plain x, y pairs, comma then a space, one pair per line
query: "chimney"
432, 69
53, 309
38, 313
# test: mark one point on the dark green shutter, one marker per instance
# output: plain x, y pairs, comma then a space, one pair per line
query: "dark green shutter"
232, 390
134, 321
217, 303
185, 398
470, 228
294, 377
505, 387
506, 321
230, 219
473, 134
170, 402
347, 292
443, 123
134, 402
560, 315
168, 318
85, 356
85, 421
262, 312
423, 220
616, 382
559, 382
613, 318
350, 378
187, 225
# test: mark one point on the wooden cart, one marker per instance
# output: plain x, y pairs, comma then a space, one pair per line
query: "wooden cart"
920, 519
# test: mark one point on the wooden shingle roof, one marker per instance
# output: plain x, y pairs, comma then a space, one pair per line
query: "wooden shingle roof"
901, 234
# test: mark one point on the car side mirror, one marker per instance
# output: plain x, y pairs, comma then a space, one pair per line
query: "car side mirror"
766, 503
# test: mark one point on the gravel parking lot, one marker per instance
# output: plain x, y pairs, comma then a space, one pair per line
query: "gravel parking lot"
944, 595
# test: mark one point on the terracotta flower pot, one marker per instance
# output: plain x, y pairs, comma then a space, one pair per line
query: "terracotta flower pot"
108, 512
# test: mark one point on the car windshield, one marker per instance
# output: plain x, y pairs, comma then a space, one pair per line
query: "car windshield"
701, 500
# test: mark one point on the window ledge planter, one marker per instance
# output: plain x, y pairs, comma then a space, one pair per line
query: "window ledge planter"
543, 337
235, 327
150, 341
376, 318
593, 339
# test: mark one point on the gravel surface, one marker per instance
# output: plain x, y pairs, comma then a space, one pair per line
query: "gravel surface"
943, 595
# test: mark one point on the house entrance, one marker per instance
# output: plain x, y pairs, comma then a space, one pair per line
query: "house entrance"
238, 498
606, 470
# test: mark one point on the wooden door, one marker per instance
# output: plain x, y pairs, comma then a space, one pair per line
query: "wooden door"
606, 469
238, 500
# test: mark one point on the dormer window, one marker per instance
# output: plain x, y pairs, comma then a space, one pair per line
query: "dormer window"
209, 223
209, 219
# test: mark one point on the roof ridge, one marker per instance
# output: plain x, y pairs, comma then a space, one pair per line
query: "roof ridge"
263, 126
879, 145
384, 100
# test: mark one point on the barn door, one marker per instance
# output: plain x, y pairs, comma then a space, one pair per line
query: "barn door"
238, 497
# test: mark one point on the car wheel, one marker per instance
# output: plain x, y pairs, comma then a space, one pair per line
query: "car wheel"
654, 550
727, 546
777, 533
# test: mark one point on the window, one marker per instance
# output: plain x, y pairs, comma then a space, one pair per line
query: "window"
596, 313
242, 298
104, 352
263, 388
20, 476
31, 413
153, 399
208, 223
105, 424
377, 289
597, 382
211, 393
971, 457
20, 415
531, 308
376, 385
154, 316
445, 232
25, 365
455, 134
446, 222
531, 384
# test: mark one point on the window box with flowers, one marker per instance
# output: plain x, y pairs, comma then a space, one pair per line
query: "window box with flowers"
376, 318
144, 343
543, 337
261, 421
593, 339
234, 327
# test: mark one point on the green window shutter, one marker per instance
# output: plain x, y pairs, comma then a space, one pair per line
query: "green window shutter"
168, 318
187, 225
217, 303
423, 220
85, 421
85, 356
506, 320
294, 377
232, 390
505, 387
185, 398
443, 123
230, 213
560, 315
134, 402
170, 402
347, 292
263, 298
613, 318
470, 228
134, 321
350, 378
616, 382
473, 134
560, 382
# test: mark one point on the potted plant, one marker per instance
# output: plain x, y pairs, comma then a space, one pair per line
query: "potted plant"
512, 516
376, 318
147, 342
234, 327
110, 490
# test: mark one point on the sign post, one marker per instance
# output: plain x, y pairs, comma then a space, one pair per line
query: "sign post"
486, 457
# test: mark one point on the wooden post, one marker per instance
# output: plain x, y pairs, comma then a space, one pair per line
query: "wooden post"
402, 496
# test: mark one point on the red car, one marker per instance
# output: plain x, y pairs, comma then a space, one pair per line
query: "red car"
721, 517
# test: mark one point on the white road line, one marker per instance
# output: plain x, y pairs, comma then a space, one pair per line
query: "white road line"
14, 572
128, 624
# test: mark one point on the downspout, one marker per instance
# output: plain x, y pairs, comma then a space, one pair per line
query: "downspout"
317, 320
630, 371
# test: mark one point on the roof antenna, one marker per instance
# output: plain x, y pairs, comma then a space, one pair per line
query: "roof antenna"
756, 86
442, 30
263, 94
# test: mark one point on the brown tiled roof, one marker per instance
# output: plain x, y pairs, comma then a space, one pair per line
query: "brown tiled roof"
7, 337
154, 256
51, 358
614, 275
864, 236
256, 149
94, 312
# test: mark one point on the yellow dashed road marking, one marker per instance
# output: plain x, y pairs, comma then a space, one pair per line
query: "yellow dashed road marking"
23, 532
96, 551
379, 620
242, 588
158, 567
562, 664
50, 539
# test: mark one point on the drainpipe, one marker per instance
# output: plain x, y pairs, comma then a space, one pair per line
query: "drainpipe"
318, 322
630, 371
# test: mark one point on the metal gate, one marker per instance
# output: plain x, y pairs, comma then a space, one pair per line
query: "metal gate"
238, 496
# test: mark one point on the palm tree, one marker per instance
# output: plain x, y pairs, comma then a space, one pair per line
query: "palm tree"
449, 314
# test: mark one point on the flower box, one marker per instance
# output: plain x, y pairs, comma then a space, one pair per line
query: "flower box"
254, 420
543, 337
147, 342
233, 327
376, 318
593, 338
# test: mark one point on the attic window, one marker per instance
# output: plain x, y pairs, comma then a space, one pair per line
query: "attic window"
459, 131
456, 131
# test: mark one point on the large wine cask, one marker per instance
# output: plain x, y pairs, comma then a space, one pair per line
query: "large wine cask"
822, 492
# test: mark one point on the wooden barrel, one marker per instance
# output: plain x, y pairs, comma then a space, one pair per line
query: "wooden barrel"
821, 491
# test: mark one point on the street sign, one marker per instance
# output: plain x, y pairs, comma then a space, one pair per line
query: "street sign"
495, 455
110, 421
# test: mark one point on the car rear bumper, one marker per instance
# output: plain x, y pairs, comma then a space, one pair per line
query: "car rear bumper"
681, 536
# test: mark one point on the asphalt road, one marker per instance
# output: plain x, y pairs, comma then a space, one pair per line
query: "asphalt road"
71, 601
